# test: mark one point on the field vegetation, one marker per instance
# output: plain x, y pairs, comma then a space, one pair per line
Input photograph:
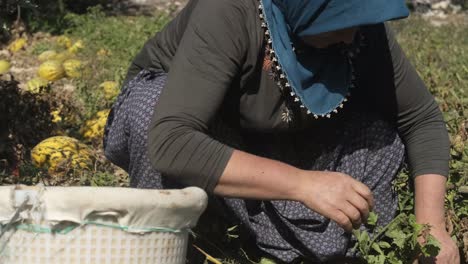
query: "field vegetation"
76, 105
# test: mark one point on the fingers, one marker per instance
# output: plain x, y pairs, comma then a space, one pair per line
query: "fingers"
353, 215
343, 220
347, 217
339, 197
361, 204
365, 192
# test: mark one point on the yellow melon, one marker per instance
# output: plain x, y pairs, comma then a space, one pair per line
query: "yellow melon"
64, 41
47, 55
36, 85
103, 52
51, 70
94, 128
110, 89
61, 153
77, 46
63, 56
4, 66
17, 45
73, 68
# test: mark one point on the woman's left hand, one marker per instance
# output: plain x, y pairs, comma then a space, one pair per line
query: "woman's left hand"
449, 253
429, 208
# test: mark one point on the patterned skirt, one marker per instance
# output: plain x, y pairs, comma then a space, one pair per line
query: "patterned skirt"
364, 146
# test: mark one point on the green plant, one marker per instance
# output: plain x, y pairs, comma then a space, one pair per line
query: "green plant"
396, 243
33, 12
39, 15
40, 47
121, 36
103, 179
110, 44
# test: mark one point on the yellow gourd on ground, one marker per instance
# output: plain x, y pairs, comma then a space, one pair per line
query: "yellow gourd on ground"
64, 41
76, 46
61, 153
94, 128
34, 85
17, 45
103, 52
110, 89
51, 70
4, 66
73, 68
47, 55
63, 56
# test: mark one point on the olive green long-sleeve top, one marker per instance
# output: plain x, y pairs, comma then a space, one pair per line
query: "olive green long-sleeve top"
213, 52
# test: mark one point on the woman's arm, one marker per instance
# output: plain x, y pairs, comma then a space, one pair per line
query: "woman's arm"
423, 130
207, 62
429, 199
332, 194
251, 176
418, 117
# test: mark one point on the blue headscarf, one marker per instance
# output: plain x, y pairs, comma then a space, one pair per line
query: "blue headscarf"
320, 80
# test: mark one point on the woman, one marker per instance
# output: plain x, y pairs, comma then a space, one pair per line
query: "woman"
290, 110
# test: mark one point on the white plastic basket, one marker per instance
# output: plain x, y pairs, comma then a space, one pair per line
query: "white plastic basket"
96, 244
93, 234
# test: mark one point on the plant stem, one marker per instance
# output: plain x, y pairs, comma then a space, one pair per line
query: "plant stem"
385, 229
61, 6
18, 14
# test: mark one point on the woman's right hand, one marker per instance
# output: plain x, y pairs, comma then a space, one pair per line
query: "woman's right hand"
336, 196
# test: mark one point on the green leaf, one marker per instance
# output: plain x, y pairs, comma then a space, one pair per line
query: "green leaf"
418, 230
267, 261
372, 219
357, 234
398, 236
384, 244
431, 248
392, 259
362, 241
380, 259
376, 247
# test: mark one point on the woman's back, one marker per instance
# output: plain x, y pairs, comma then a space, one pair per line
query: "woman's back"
159, 50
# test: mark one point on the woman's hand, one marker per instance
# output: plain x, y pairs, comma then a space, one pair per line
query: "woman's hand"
449, 251
336, 196
429, 209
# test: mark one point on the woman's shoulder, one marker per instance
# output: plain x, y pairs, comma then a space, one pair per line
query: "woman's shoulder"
231, 24
217, 16
227, 20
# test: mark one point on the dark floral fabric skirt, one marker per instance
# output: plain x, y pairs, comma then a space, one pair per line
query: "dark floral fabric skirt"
364, 146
